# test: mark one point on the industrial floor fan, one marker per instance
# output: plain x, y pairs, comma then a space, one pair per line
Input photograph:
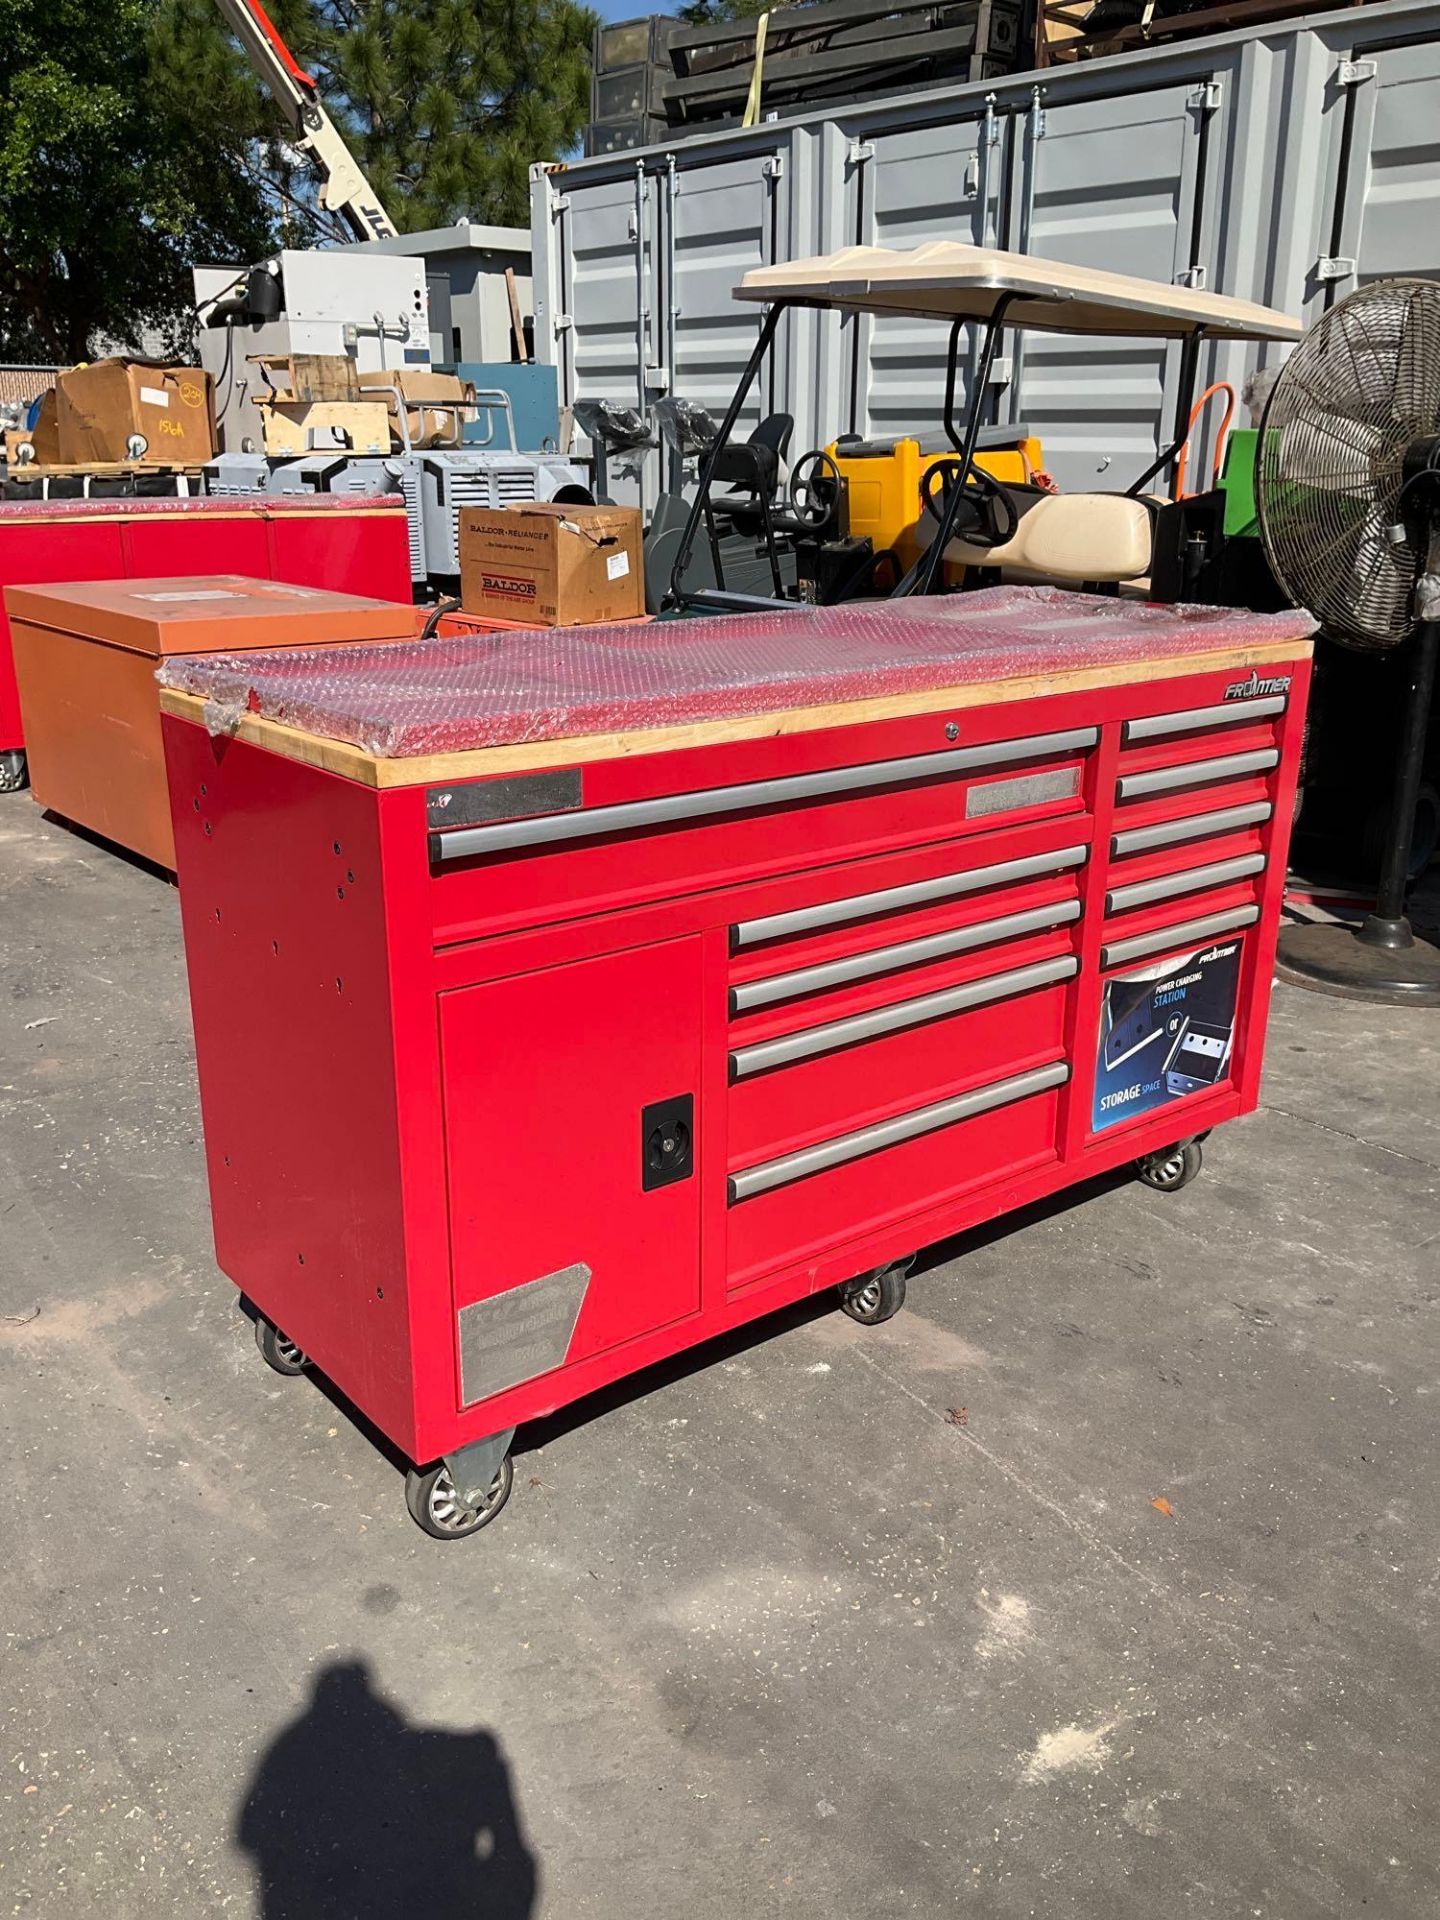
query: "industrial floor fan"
1348, 492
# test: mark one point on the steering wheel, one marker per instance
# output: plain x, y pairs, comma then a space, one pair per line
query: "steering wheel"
814, 490
993, 502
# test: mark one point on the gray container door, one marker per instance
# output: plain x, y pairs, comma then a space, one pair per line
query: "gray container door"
1114, 183
1389, 199
608, 268
728, 216
905, 189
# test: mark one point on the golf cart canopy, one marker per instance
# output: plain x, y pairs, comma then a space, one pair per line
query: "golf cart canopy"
948, 281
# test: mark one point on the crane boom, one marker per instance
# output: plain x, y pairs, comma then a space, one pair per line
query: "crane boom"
344, 190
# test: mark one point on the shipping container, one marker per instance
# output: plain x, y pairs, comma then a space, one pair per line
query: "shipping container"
1284, 164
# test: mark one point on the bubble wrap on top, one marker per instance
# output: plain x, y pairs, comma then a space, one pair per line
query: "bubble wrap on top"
493, 689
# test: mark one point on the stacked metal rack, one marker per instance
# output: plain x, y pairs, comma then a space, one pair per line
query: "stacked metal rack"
654, 77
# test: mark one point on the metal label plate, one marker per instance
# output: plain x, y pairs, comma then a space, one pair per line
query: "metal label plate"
516, 1336
1023, 790
520, 797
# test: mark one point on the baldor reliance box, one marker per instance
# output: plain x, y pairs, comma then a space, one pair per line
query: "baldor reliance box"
552, 565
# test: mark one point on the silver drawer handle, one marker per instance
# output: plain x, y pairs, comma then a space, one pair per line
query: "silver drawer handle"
1156, 726
897, 1016
906, 1126
1194, 826
1144, 893
708, 801
859, 906
1195, 773
906, 953
1185, 934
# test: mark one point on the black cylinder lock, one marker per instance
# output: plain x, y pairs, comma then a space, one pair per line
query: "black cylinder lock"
667, 1141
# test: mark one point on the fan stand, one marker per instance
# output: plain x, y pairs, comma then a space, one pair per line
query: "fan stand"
1381, 960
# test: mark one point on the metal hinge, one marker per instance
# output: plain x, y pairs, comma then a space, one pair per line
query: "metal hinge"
1192, 277
1350, 73
1206, 97
562, 323
773, 167
1333, 267
858, 152
559, 203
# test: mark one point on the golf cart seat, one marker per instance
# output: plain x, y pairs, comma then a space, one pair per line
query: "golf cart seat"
754, 464
1075, 539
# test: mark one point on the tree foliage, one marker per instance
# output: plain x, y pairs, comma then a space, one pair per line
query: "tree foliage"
118, 169
447, 102
136, 141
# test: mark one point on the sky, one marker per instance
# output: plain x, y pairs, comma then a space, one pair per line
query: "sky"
627, 9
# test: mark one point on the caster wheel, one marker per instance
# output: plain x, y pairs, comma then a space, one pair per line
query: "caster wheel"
276, 1351
1176, 1167
437, 1507
14, 772
877, 1297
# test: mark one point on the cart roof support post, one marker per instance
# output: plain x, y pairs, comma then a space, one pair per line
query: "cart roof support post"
932, 566
674, 596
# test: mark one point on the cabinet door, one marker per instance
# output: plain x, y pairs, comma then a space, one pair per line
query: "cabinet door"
570, 1113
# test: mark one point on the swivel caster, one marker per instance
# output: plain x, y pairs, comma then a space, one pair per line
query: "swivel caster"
1172, 1168
436, 1505
875, 1296
276, 1351
14, 772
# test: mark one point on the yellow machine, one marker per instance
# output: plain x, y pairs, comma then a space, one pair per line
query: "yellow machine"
884, 477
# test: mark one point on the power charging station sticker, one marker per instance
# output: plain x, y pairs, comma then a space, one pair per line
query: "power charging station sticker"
1165, 1031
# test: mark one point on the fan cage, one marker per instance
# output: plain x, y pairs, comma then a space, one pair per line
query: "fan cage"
1358, 391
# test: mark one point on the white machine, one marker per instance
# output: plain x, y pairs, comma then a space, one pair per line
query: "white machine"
370, 307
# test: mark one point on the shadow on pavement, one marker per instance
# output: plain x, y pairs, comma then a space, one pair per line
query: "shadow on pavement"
353, 1814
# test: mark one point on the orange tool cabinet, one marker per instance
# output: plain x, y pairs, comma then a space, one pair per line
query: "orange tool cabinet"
726, 962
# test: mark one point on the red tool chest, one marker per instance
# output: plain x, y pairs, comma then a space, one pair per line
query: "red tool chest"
531, 1061
348, 547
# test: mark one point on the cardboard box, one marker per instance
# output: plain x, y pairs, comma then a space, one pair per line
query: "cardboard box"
43, 437
552, 566
86, 655
102, 405
432, 400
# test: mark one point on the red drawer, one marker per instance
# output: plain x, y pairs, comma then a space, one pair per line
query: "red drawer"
792, 1105
623, 845
808, 1212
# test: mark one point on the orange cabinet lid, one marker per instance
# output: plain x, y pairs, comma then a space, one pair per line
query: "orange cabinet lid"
211, 613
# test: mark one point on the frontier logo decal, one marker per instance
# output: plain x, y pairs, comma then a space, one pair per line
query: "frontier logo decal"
1252, 688
507, 586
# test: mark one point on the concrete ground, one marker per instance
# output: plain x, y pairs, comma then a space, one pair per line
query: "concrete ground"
826, 1623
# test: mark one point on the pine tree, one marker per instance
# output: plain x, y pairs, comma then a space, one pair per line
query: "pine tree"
447, 102
118, 169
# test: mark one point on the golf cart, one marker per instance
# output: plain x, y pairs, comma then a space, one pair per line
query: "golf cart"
987, 525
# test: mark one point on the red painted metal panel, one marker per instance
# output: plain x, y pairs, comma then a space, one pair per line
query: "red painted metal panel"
791, 1106
286, 940
32, 551
806, 1219
546, 1078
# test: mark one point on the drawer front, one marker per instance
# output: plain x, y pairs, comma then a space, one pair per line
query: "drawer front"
877, 1000
1194, 801
788, 1207
777, 1110
592, 857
